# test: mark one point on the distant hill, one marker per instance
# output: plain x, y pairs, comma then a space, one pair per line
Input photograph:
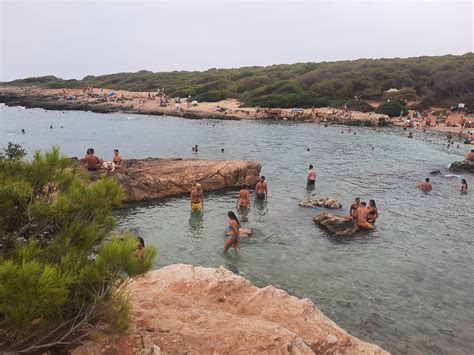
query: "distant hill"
440, 80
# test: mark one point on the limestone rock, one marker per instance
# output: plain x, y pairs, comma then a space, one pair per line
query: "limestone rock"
336, 225
153, 178
321, 202
464, 165
197, 310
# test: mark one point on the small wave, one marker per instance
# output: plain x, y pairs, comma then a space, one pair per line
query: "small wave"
452, 175
22, 107
130, 118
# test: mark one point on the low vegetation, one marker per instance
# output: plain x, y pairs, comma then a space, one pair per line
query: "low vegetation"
441, 80
62, 268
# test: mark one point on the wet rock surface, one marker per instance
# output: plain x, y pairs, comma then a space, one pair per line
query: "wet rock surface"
464, 165
321, 202
336, 226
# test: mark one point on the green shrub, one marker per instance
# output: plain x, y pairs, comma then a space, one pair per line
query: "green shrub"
392, 108
61, 269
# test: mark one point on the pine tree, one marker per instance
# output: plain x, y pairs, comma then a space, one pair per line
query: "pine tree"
62, 268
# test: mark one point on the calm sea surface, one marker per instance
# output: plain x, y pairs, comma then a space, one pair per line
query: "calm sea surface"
408, 286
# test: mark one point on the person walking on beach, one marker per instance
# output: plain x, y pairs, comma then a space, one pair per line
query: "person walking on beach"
311, 175
261, 189
197, 198
233, 232
243, 202
426, 185
463, 186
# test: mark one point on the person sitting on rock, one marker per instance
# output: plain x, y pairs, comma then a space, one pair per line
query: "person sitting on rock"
373, 212
426, 185
197, 198
362, 214
470, 155
243, 202
117, 159
354, 207
311, 176
92, 162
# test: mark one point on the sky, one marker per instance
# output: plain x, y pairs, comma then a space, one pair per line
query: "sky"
72, 39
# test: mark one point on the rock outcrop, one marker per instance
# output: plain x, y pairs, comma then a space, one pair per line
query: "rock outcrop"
337, 226
321, 202
183, 309
464, 165
153, 178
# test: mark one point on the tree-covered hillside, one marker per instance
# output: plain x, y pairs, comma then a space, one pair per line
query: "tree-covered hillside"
441, 80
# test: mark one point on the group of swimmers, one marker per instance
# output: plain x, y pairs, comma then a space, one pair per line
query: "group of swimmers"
196, 201
427, 186
93, 162
363, 214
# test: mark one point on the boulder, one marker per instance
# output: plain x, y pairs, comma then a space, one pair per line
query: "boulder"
182, 309
464, 165
321, 202
152, 178
337, 226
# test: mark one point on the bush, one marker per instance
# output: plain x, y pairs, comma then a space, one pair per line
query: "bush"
392, 108
359, 106
61, 269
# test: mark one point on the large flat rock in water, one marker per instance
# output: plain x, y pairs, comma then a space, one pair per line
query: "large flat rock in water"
153, 178
183, 309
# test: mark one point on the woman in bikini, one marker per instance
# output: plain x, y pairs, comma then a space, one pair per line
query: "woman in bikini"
373, 212
233, 233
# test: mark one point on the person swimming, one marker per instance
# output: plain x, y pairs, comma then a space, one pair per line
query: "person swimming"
140, 246
233, 238
463, 186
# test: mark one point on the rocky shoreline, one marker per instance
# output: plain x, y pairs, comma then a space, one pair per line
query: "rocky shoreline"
136, 103
183, 309
153, 178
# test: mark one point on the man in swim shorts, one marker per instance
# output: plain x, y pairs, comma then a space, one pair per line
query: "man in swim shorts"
311, 175
92, 162
362, 213
244, 200
197, 198
354, 207
261, 188
426, 185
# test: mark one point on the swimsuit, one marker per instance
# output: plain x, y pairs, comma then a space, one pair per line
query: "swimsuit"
260, 194
196, 206
311, 182
365, 225
229, 234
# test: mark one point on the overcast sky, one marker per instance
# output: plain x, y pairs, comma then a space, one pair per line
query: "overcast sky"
71, 39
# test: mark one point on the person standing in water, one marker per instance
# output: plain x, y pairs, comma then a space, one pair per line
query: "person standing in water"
373, 212
463, 186
362, 214
233, 233
354, 207
243, 202
426, 185
311, 175
197, 198
261, 188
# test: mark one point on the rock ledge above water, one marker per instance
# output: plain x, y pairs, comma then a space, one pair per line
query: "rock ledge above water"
153, 178
182, 309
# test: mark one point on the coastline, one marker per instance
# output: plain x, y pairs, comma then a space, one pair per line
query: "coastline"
140, 103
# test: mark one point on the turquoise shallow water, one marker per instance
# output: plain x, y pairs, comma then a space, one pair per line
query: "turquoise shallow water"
408, 286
